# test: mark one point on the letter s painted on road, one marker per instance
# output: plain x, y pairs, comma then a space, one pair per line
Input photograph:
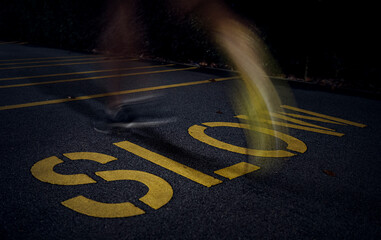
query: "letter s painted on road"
160, 191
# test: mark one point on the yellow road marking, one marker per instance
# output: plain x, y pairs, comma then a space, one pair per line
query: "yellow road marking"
85, 72
290, 125
27, 59
43, 171
67, 64
93, 208
169, 164
159, 191
324, 116
53, 61
92, 156
93, 78
311, 118
237, 170
298, 121
63, 100
293, 144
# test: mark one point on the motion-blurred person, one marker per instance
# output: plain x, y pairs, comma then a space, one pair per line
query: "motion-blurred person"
256, 97
123, 35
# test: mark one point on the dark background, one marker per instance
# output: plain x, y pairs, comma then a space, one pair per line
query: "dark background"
330, 42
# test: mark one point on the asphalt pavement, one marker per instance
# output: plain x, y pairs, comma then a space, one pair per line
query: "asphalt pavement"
192, 178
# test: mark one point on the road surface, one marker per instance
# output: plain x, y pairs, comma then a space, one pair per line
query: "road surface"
190, 179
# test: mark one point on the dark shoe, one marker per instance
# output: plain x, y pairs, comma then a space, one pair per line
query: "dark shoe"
136, 113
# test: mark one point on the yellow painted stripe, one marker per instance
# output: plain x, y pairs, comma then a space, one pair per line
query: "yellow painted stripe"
66, 64
237, 170
63, 100
91, 156
85, 72
311, 118
169, 164
43, 170
289, 125
299, 121
159, 191
93, 208
53, 61
27, 59
324, 116
93, 78
293, 144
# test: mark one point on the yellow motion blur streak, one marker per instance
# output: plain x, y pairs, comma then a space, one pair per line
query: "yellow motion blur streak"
256, 96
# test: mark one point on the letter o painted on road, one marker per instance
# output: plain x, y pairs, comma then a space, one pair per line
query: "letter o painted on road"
294, 144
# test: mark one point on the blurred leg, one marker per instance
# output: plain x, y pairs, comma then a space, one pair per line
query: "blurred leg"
120, 35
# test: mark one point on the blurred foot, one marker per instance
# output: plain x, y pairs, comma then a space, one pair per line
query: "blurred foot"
135, 113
